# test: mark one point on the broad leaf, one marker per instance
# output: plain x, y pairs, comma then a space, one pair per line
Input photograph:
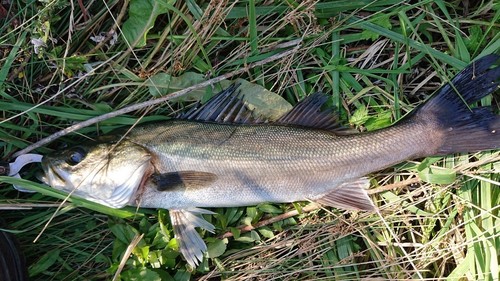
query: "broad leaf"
142, 16
216, 248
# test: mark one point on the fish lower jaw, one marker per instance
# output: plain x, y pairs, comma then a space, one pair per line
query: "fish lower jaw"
52, 178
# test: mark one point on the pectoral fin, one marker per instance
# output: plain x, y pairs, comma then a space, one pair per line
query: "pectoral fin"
350, 196
183, 179
184, 222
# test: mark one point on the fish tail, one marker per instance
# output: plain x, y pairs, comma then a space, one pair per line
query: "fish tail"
465, 129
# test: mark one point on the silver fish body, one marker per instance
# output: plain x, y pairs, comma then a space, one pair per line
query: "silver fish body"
268, 163
217, 155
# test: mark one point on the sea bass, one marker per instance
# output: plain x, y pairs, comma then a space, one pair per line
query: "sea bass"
220, 155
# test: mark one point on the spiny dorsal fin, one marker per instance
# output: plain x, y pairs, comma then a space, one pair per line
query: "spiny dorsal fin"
225, 107
308, 113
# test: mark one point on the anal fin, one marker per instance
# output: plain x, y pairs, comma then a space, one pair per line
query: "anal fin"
350, 196
184, 222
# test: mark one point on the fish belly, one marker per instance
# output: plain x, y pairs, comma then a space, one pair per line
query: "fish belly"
235, 187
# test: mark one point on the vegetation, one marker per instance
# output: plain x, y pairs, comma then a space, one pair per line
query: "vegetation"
62, 62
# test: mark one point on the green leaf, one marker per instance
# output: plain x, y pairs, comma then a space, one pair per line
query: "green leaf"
72, 64
216, 248
102, 107
492, 46
72, 113
163, 84
382, 21
246, 221
360, 116
263, 102
124, 232
182, 275
169, 257
249, 237
461, 48
242, 12
160, 239
44, 262
473, 41
155, 258
427, 162
142, 16
252, 212
382, 120
270, 209
266, 232
232, 215
438, 175
139, 274
142, 253
235, 231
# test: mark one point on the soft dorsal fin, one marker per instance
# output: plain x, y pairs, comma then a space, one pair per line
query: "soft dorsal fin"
225, 107
308, 113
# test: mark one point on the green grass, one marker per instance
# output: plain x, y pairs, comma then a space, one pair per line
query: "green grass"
378, 60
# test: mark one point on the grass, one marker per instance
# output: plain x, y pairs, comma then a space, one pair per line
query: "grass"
378, 60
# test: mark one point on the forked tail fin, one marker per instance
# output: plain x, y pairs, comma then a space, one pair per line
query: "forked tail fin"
465, 129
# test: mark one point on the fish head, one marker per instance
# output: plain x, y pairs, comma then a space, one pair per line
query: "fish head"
107, 173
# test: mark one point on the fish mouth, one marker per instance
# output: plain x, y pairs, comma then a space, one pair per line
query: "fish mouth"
51, 176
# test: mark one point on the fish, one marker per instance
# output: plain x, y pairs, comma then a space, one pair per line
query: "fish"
219, 154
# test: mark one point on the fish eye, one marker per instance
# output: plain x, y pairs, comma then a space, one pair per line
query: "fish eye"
76, 156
